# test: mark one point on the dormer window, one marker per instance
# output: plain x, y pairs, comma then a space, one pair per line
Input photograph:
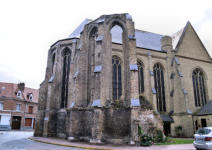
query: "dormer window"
18, 94
30, 96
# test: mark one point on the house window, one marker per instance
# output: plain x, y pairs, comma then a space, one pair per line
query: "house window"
19, 94
65, 77
31, 97
140, 77
1, 105
159, 86
30, 111
18, 107
199, 87
116, 81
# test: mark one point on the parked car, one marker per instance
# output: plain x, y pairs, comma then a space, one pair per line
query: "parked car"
203, 138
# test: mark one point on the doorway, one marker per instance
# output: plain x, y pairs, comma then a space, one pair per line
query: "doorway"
203, 123
16, 122
167, 128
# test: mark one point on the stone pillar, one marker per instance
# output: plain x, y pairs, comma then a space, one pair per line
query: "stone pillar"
46, 118
106, 62
100, 83
166, 45
82, 77
152, 93
61, 123
132, 71
49, 95
97, 129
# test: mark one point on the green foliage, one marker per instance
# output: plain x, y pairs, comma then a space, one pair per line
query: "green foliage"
118, 103
179, 130
146, 140
171, 141
158, 137
140, 132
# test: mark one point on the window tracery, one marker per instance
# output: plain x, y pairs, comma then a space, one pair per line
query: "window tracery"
160, 88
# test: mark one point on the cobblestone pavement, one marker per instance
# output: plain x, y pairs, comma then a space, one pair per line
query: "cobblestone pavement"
18, 140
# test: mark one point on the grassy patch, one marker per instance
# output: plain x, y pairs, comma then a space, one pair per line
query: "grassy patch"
171, 141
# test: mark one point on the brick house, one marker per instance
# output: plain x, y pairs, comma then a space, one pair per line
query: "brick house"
18, 106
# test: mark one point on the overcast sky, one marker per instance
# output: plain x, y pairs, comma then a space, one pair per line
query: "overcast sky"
29, 27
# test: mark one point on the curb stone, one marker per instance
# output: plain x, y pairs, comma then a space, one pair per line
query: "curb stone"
84, 147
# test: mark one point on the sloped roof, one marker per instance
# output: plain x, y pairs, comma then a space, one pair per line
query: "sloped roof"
144, 39
205, 110
177, 37
79, 29
166, 118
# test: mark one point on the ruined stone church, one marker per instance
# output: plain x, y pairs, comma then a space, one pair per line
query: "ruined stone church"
107, 78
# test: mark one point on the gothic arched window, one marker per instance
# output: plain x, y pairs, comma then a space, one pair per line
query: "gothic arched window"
199, 87
159, 86
65, 77
140, 77
53, 62
116, 81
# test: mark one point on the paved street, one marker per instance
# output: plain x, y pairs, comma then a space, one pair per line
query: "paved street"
17, 140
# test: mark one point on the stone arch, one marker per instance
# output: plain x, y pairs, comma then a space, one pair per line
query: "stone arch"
201, 69
65, 50
161, 64
92, 30
120, 20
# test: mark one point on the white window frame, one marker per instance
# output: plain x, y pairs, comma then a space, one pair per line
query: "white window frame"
19, 107
19, 94
1, 106
31, 97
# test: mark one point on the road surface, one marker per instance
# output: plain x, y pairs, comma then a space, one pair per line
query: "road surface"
18, 140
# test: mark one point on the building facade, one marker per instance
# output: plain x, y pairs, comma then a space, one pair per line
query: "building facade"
108, 78
18, 106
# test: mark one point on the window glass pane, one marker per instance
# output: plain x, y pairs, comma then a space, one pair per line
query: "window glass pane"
116, 78
199, 87
65, 77
160, 88
140, 78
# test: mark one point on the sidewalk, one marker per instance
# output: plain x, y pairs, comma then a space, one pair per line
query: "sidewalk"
63, 142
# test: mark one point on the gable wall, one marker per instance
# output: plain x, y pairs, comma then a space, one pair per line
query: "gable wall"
191, 46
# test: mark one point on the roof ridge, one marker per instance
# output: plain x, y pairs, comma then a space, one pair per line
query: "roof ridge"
148, 32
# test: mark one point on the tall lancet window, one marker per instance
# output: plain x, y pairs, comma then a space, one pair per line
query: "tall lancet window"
53, 62
199, 87
159, 86
117, 85
65, 77
140, 77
